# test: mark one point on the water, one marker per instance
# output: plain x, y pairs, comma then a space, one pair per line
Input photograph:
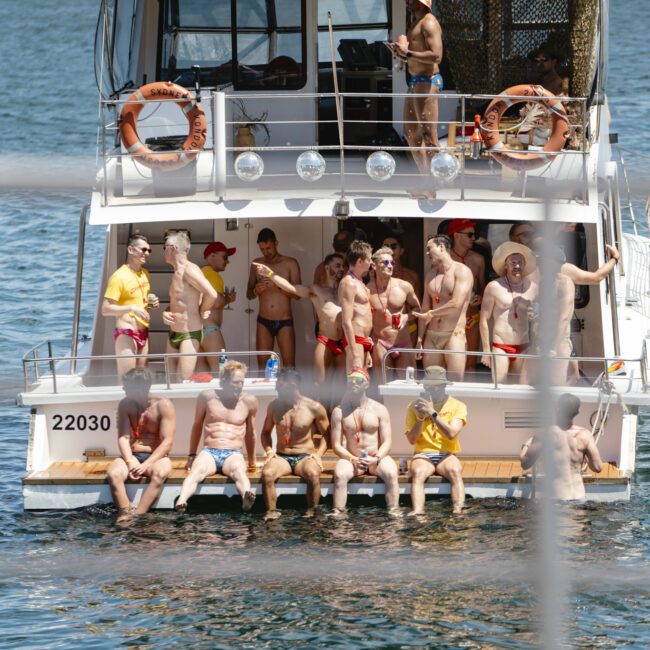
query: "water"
229, 580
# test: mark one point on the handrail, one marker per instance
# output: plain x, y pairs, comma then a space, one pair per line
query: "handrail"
611, 280
81, 245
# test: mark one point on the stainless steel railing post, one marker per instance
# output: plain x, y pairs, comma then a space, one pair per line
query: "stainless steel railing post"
52, 366
218, 102
77, 292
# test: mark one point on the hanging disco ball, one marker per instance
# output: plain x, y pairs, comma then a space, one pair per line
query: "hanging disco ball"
249, 166
380, 166
444, 167
310, 166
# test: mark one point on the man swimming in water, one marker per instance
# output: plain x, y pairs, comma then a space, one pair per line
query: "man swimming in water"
146, 424
296, 419
226, 419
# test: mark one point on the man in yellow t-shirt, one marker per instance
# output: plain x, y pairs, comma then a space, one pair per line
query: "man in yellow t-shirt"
126, 300
433, 422
216, 257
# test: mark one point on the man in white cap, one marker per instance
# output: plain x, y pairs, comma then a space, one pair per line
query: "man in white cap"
433, 424
505, 308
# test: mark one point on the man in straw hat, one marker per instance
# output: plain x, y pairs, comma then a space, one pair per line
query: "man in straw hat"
361, 438
505, 307
433, 423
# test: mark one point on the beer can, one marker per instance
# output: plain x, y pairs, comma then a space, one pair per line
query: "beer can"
403, 466
151, 299
410, 375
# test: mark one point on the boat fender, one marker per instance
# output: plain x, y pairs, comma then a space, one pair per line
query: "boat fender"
524, 161
128, 125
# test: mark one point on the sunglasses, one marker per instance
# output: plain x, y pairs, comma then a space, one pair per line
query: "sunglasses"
356, 380
388, 262
471, 235
143, 250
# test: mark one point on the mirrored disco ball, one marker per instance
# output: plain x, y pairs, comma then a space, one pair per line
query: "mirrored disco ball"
249, 166
310, 166
380, 166
444, 167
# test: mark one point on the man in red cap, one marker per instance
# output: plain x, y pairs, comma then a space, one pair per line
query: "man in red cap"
216, 257
463, 234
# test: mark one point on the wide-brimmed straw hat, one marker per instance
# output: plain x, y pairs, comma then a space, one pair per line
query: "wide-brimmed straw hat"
435, 376
510, 248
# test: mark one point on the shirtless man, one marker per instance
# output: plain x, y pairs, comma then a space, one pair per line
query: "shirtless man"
361, 438
422, 54
226, 419
191, 298
356, 313
296, 419
340, 243
126, 299
522, 232
329, 344
573, 446
447, 291
505, 308
275, 320
463, 235
389, 296
146, 425
216, 257
400, 271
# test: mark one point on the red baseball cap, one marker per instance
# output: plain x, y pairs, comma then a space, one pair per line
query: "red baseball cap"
218, 247
456, 225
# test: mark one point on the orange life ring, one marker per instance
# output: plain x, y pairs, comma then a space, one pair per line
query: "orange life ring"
516, 160
192, 110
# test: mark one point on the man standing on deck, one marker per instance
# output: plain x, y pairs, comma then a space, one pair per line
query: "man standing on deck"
447, 291
296, 419
356, 312
275, 319
433, 424
422, 53
361, 438
146, 425
226, 419
505, 310
573, 446
400, 271
463, 234
340, 243
216, 257
329, 350
388, 298
191, 298
126, 299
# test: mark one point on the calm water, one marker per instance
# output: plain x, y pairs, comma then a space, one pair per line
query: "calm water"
229, 580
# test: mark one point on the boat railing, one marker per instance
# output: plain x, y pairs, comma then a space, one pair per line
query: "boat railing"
65, 365
610, 365
218, 180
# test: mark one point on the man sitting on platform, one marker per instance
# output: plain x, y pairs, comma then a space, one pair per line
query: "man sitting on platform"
296, 419
146, 425
433, 423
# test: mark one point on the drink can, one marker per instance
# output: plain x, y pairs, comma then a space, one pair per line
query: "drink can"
410, 375
396, 320
403, 466
151, 299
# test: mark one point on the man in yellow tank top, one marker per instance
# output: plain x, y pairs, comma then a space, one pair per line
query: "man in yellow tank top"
126, 300
433, 423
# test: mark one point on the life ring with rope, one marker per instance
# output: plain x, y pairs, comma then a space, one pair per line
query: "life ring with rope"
128, 125
531, 160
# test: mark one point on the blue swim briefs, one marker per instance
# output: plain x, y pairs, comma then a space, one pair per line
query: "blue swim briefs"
220, 455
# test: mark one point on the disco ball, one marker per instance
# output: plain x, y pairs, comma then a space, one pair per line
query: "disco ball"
444, 167
249, 166
380, 166
310, 166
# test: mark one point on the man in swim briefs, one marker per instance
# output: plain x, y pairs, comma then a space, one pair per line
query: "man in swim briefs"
356, 311
433, 424
447, 291
146, 424
216, 257
275, 318
392, 300
226, 420
400, 271
340, 244
296, 419
505, 310
361, 438
126, 299
573, 446
191, 298
328, 351
422, 54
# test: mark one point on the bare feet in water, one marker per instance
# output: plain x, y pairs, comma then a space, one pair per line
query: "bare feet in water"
248, 500
180, 507
272, 515
125, 515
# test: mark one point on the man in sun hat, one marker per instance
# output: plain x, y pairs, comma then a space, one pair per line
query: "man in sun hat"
505, 309
216, 257
361, 438
433, 423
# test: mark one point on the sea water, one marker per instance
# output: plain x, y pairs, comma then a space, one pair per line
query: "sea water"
75, 579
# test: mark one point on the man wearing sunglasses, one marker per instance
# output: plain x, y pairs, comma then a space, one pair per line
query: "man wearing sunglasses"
361, 438
126, 300
400, 271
